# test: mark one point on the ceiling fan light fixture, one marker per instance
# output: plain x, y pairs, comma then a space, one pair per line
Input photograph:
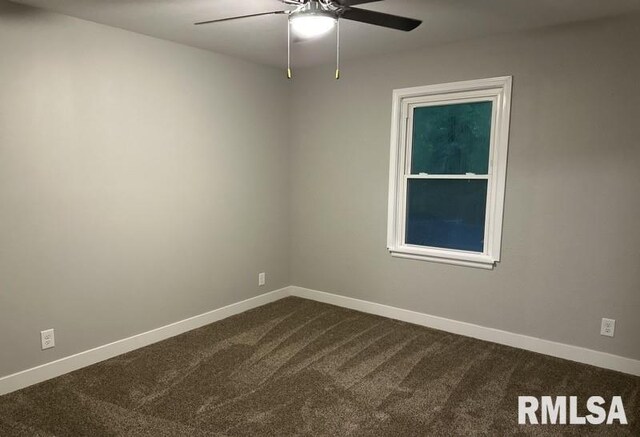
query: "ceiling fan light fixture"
313, 18
311, 24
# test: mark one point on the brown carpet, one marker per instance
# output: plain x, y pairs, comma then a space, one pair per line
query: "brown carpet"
297, 367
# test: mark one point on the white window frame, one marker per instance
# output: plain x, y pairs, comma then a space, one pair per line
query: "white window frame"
496, 90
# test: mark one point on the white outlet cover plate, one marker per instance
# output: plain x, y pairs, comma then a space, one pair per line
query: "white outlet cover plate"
262, 278
608, 327
47, 338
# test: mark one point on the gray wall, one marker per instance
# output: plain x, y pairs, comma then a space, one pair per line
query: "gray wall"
141, 182
571, 249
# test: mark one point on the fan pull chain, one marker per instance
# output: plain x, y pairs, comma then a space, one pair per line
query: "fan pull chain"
289, 75
338, 49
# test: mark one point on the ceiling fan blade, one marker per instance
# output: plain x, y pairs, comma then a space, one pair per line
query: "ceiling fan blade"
381, 19
242, 16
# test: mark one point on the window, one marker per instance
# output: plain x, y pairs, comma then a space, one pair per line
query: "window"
447, 172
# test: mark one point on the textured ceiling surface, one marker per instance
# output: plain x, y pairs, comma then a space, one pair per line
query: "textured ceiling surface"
264, 39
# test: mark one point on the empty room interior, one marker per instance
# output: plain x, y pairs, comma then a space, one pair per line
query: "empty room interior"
319, 218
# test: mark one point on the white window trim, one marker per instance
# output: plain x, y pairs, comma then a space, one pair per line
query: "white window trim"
496, 90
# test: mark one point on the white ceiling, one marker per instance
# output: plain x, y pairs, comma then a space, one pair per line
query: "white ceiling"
263, 39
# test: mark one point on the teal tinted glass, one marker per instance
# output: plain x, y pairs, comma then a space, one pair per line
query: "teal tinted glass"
451, 139
446, 213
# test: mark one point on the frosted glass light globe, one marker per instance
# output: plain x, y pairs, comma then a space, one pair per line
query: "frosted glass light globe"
311, 25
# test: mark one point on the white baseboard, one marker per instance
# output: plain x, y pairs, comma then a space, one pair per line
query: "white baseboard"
555, 349
68, 364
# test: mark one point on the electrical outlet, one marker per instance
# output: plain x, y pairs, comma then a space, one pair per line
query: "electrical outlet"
608, 327
262, 279
47, 338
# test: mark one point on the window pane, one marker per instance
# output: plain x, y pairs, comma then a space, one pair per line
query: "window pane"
446, 213
451, 139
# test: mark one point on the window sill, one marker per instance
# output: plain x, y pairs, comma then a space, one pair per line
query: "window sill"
457, 258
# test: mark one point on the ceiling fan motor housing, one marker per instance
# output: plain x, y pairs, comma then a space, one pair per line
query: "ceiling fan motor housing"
316, 8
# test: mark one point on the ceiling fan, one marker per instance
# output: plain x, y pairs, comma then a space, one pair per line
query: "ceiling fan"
313, 18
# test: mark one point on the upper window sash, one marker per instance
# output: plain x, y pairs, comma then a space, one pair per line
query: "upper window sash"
498, 92
408, 113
